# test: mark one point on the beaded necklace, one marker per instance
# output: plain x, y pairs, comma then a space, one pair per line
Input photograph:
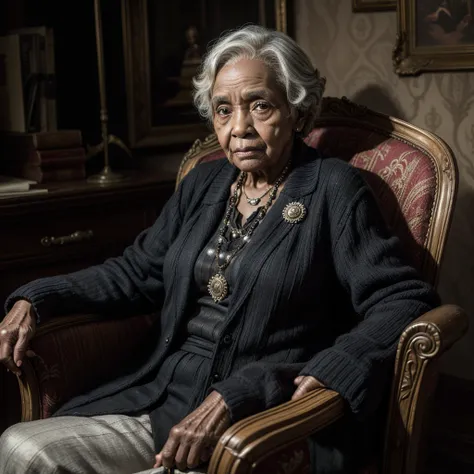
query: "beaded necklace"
255, 201
218, 286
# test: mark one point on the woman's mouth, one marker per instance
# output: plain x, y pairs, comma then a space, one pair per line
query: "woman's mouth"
247, 152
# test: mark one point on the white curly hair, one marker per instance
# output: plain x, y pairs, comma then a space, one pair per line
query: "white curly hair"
303, 84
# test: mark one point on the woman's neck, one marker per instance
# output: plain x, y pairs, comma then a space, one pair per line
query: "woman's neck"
262, 179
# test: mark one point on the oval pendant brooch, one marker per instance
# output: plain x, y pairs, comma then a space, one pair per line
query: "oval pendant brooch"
294, 212
218, 287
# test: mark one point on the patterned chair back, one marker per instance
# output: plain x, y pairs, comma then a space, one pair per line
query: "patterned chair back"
412, 173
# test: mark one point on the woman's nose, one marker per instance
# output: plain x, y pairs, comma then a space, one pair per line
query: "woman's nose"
241, 123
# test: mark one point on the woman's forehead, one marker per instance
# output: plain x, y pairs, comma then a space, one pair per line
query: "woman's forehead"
247, 78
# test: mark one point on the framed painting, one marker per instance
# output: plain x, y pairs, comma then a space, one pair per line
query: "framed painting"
434, 35
163, 46
373, 5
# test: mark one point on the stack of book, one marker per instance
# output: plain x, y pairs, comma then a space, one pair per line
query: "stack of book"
44, 157
15, 187
27, 82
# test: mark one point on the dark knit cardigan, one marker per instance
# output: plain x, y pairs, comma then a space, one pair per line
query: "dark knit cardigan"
327, 297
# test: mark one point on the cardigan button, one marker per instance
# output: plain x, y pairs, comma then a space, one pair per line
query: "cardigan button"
167, 340
227, 339
216, 377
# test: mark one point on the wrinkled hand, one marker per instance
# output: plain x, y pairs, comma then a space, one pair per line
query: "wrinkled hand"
305, 384
192, 441
16, 331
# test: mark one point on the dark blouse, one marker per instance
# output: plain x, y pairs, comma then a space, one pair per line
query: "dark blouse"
190, 364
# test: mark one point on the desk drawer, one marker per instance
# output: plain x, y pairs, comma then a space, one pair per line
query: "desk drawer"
57, 235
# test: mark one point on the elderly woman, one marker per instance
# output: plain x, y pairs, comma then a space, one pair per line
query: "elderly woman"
273, 272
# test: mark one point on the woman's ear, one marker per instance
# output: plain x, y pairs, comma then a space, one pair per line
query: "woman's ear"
299, 123
299, 119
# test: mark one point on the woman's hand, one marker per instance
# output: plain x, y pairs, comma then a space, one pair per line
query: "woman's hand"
305, 384
16, 331
192, 441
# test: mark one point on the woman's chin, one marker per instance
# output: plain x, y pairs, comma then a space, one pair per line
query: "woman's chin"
250, 164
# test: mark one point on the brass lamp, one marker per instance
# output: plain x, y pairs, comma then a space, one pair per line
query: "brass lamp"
106, 176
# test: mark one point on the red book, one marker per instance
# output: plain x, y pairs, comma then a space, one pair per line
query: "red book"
56, 139
39, 175
69, 162
44, 157
45, 160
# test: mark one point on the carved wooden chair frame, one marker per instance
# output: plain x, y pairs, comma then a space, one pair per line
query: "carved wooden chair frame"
249, 443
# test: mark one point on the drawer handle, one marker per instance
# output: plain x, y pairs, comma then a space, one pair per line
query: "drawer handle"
74, 238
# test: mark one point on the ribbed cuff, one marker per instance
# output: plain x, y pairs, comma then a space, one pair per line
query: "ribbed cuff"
241, 398
44, 295
340, 373
13, 299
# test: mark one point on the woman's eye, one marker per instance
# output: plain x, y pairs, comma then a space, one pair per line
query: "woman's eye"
261, 106
223, 111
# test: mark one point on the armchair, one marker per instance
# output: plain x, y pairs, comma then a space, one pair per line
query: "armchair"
413, 174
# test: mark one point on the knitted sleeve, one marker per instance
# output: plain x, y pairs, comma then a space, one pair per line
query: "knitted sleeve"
386, 293
130, 283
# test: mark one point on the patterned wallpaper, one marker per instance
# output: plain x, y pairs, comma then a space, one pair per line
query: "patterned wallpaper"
353, 51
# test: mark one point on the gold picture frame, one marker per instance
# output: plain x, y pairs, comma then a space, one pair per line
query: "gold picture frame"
438, 40
157, 122
360, 6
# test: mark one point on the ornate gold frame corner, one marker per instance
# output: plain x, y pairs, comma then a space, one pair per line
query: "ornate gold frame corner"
141, 132
366, 6
411, 60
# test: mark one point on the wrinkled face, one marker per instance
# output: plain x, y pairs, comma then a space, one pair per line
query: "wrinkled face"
251, 116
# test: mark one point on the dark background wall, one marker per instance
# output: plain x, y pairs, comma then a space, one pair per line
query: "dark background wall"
77, 86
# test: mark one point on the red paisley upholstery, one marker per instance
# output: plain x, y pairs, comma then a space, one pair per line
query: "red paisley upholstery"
66, 363
213, 156
402, 178
293, 458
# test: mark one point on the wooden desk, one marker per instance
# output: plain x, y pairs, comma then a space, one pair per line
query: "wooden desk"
75, 225
103, 220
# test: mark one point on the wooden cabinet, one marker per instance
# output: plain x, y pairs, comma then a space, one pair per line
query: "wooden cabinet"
75, 225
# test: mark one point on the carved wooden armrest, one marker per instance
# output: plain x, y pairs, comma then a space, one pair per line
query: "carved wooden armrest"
248, 445
245, 446
416, 372
73, 355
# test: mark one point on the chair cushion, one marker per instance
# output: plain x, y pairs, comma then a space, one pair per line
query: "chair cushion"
402, 177
76, 358
215, 155
295, 458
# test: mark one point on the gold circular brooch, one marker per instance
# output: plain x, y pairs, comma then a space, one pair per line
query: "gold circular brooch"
294, 212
